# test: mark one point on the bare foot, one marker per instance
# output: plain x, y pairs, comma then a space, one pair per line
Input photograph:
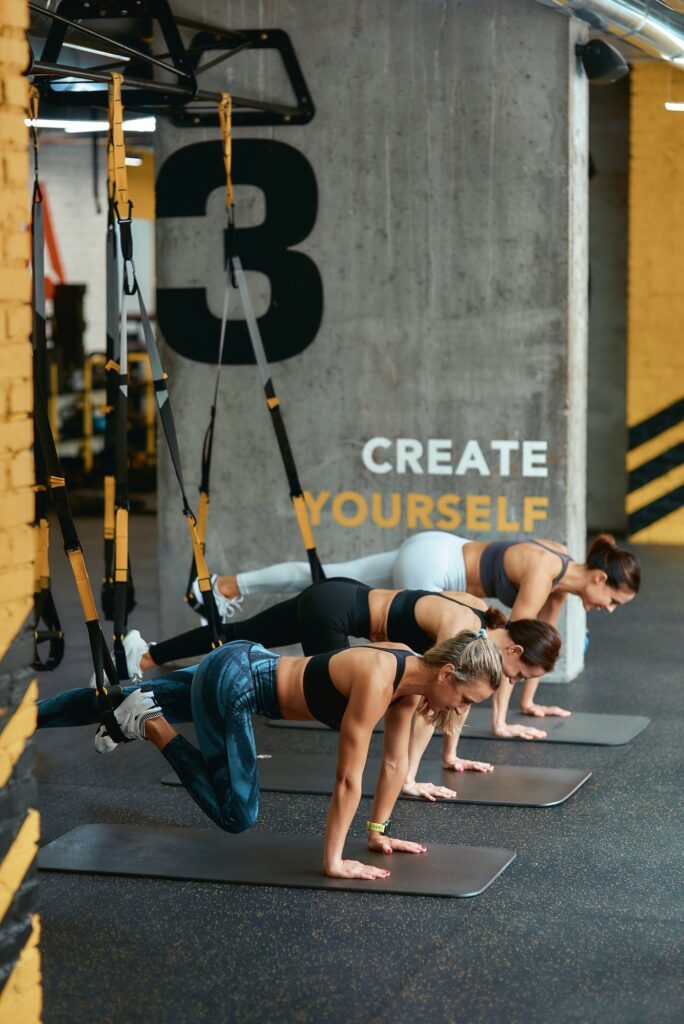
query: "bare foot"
544, 711
227, 586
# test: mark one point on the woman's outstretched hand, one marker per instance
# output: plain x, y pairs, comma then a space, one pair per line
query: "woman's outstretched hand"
460, 764
355, 869
520, 732
542, 710
428, 791
385, 844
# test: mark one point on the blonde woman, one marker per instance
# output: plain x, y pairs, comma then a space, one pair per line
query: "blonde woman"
349, 690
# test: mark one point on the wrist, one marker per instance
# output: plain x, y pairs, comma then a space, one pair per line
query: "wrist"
380, 828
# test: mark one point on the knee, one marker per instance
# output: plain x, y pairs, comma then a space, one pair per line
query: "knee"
239, 821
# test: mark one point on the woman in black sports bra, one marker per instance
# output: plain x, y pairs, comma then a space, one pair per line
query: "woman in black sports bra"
349, 690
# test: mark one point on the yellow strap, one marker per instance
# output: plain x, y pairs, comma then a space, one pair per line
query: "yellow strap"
225, 105
303, 522
109, 490
112, 364
34, 101
121, 546
116, 155
273, 403
200, 563
43, 547
202, 518
57, 481
85, 593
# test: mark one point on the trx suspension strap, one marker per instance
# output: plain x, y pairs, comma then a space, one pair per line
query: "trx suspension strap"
112, 391
54, 479
122, 206
237, 278
224, 113
122, 203
45, 611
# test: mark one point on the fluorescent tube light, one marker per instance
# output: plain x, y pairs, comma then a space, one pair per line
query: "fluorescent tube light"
136, 124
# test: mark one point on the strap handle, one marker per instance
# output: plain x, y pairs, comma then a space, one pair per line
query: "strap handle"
116, 151
225, 112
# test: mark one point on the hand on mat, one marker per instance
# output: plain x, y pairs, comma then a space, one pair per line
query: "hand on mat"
542, 710
521, 732
355, 869
385, 844
461, 764
428, 791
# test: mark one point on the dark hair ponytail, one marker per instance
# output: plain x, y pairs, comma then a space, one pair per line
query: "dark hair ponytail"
622, 568
494, 619
540, 641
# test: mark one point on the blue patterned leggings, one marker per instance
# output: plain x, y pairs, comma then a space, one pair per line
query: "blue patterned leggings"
219, 695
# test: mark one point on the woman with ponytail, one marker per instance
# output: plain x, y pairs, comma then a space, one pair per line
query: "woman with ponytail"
349, 690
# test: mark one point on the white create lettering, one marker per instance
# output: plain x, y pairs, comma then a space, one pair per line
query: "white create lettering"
369, 449
534, 458
409, 450
439, 455
504, 448
472, 458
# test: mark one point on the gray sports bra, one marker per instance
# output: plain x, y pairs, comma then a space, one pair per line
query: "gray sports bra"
493, 578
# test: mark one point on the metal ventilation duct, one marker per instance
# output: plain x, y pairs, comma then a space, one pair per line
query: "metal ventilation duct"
650, 26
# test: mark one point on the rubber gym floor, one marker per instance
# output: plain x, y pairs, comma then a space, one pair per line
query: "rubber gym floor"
584, 926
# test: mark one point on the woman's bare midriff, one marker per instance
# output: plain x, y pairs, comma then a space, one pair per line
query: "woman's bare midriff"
516, 560
432, 614
290, 689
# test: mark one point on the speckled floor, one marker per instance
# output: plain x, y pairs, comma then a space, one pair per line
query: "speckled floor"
584, 927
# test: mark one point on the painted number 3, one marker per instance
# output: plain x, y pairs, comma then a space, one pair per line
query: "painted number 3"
288, 183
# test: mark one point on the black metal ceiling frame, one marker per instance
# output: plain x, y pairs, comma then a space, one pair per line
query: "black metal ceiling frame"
149, 95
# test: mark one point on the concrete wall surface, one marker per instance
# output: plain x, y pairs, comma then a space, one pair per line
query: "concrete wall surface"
440, 195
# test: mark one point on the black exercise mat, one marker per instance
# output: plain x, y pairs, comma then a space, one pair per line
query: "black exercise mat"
266, 858
580, 727
507, 785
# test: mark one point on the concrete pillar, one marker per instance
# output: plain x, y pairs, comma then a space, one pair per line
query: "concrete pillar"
442, 199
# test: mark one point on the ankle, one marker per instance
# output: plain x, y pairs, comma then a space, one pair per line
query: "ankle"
146, 662
159, 732
227, 586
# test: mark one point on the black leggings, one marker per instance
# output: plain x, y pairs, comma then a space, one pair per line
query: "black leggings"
321, 618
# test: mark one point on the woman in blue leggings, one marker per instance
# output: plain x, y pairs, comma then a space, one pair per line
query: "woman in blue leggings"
349, 690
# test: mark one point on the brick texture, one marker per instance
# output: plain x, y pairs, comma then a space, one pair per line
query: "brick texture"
19, 927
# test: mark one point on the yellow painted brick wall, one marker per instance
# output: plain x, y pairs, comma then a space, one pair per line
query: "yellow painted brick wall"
655, 367
16, 395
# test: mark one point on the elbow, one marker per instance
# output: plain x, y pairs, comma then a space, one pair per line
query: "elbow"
395, 765
348, 785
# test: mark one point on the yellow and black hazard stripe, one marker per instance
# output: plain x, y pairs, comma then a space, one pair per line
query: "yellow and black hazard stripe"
655, 465
20, 990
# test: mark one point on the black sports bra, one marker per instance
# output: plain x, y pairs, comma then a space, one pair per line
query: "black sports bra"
323, 699
401, 618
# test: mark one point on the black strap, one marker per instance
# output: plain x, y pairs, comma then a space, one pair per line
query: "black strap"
102, 662
47, 627
163, 399
273, 402
110, 435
